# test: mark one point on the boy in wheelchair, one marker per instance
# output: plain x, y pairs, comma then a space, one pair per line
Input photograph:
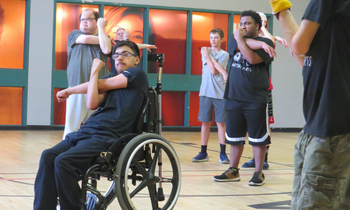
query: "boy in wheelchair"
118, 99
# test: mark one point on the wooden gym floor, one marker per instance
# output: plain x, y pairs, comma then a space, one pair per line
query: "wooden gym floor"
20, 152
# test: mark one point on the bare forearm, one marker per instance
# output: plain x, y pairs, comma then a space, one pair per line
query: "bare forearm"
116, 82
79, 89
248, 53
288, 25
103, 85
141, 46
210, 65
218, 67
87, 39
254, 44
147, 46
268, 35
289, 29
105, 42
92, 92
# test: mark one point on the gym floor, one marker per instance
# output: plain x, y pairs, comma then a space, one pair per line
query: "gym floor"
20, 153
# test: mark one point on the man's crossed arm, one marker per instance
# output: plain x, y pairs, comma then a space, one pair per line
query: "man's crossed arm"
246, 46
102, 39
102, 85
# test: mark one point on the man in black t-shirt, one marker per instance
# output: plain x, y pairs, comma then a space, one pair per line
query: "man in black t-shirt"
321, 154
118, 100
246, 96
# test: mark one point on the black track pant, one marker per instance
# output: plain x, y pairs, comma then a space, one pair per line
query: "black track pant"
60, 170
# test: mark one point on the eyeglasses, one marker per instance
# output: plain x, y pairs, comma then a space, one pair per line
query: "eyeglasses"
86, 19
124, 54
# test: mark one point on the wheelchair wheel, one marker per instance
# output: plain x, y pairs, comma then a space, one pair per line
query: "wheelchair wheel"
138, 174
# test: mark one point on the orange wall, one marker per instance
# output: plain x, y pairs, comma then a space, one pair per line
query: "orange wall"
11, 105
12, 37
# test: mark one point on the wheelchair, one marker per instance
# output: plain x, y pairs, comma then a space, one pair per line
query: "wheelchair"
136, 163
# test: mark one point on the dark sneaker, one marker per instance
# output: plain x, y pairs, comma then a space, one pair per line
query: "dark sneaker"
265, 166
258, 179
201, 157
224, 159
249, 164
231, 175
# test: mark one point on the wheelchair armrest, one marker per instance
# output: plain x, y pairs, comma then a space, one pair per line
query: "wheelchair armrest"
112, 154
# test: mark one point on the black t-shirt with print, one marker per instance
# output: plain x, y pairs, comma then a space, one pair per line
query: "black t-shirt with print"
326, 71
119, 108
248, 82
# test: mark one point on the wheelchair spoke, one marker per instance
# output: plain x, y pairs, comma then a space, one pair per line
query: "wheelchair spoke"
140, 169
140, 187
153, 196
154, 161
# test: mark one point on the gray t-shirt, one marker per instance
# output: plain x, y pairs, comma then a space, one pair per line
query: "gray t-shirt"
213, 86
80, 58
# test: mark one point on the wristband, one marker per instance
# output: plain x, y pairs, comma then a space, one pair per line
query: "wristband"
280, 5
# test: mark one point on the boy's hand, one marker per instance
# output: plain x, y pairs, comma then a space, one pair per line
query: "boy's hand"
150, 46
281, 41
126, 34
239, 33
62, 95
205, 51
269, 50
102, 22
112, 41
96, 66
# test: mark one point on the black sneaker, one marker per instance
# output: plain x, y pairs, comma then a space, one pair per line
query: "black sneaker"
230, 175
258, 179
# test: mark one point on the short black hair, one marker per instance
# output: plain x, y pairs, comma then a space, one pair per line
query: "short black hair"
254, 15
218, 31
96, 14
132, 45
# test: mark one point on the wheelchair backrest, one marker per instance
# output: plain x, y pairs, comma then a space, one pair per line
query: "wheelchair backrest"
140, 116
148, 120
151, 121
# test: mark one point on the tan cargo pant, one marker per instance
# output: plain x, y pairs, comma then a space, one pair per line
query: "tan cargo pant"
322, 172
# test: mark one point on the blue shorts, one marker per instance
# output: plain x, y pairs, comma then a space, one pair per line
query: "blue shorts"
243, 117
